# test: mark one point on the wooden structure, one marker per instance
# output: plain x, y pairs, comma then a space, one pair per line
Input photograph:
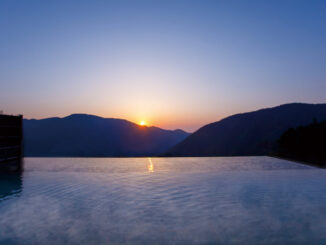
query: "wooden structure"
11, 138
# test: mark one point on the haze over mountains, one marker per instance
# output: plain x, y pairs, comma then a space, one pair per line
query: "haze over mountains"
252, 133
81, 135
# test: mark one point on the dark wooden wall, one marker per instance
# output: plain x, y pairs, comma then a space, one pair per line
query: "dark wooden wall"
11, 137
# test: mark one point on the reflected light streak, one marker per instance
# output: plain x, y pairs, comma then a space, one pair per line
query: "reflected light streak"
150, 166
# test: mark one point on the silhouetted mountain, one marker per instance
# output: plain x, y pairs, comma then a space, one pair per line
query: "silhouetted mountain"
87, 135
304, 143
253, 133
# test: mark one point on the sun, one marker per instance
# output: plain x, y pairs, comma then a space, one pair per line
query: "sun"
142, 123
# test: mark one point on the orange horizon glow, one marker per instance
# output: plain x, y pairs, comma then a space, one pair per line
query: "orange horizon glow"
169, 121
162, 116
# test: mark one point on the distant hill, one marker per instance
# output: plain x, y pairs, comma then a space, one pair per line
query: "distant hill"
252, 133
81, 135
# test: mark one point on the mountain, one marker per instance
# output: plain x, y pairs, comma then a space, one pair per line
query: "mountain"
81, 135
252, 133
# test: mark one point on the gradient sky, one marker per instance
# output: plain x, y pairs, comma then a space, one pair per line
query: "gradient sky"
174, 64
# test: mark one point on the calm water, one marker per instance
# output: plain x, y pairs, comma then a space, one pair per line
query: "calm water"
240, 200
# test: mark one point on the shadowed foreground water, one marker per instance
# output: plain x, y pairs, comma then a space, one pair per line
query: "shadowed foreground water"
238, 200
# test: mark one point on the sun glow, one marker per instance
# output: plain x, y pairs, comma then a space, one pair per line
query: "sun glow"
142, 123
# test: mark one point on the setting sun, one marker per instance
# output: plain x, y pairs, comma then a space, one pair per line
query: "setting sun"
142, 123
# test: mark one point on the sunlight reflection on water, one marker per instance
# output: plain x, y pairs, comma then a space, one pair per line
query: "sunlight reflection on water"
150, 165
241, 200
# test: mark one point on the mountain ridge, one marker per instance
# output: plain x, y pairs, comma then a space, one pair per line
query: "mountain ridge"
250, 133
89, 135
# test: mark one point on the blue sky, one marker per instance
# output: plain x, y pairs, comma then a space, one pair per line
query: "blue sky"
174, 64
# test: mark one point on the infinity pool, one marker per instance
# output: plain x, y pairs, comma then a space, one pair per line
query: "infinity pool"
235, 200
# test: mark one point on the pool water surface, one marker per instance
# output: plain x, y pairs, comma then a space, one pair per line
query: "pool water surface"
214, 200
